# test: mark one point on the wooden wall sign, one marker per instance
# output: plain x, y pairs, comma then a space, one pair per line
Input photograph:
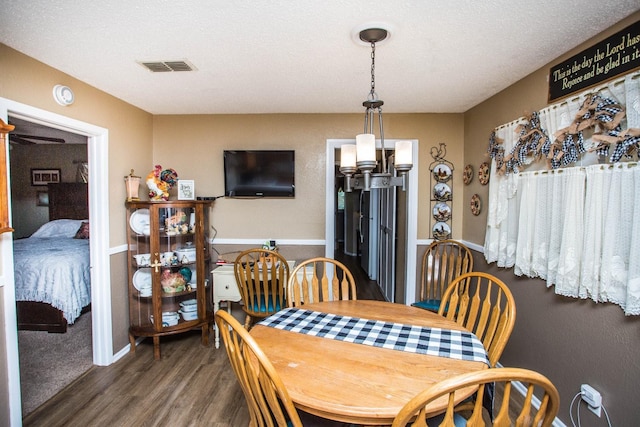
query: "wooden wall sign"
613, 56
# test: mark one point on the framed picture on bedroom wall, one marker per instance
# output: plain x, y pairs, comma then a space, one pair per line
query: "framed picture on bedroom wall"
45, 176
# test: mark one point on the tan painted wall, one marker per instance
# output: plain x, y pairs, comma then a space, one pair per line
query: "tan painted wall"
193, 145
571, 341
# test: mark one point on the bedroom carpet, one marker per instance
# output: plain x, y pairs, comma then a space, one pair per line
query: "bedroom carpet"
49, 362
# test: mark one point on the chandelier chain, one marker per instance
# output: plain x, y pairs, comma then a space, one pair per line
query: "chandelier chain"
373, 71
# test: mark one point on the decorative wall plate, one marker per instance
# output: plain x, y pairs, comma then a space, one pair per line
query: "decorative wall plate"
442, 172
483, 173
467, 174
476, 204
441, 231
442, 192
441, 212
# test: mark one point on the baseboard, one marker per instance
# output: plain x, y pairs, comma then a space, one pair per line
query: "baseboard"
473, 246
125, 350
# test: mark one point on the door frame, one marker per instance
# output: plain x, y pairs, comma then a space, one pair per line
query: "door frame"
412, 208
98, 158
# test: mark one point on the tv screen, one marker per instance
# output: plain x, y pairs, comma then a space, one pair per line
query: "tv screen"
259, 173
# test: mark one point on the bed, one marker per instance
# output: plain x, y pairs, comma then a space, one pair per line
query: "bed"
52, 266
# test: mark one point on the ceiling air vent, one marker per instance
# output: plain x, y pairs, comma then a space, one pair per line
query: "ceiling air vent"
164, 66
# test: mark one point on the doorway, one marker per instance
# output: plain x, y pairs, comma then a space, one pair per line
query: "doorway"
68, 355
98, 151
404, 288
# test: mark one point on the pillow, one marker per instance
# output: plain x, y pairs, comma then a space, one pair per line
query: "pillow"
59, 228
83, 231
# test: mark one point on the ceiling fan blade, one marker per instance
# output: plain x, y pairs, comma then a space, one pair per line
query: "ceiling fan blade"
16, 139
40, 138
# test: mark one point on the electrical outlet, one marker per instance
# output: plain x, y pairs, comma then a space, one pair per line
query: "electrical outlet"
592, 397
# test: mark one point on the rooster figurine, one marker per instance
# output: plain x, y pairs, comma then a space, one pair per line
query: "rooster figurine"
160, 182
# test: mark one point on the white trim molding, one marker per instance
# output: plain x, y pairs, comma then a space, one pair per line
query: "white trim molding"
98, 156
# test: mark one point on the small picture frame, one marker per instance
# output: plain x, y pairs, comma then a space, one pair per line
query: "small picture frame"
45, 176
42, 198
186, 189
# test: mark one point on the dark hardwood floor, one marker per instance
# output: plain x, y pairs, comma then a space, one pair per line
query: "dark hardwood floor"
365, 288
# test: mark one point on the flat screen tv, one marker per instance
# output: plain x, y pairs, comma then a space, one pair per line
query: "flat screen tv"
259, 173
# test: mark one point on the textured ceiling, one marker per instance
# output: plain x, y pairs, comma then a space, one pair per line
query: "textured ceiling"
285, 56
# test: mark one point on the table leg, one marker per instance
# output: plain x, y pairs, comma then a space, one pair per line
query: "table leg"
216, 307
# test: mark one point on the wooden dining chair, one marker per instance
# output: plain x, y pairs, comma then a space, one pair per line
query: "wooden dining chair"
442, 262
484, 305
262, 276
320, 279
509, 411
267, 398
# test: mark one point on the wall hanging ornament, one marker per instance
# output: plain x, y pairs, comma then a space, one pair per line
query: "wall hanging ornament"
467, 174
476, 205
483, 173
441, 192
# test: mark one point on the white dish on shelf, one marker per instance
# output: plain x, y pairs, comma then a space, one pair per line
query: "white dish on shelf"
140, 222
189, 315
142, 280
169, 318
189, 305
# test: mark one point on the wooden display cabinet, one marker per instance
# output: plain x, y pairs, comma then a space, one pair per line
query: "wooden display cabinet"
169, 265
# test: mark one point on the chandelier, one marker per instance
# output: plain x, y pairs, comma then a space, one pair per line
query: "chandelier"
357, 162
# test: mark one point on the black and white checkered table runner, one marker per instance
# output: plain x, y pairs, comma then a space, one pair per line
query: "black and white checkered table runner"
396, 336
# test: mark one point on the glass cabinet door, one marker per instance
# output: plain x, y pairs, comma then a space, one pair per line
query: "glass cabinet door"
168, 257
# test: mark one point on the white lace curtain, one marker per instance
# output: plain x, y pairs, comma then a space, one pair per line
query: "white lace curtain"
577, 227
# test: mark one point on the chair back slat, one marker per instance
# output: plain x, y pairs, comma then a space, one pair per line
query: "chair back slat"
320, 279
261, 276
442, 262
266, 396
484, 305
414, 413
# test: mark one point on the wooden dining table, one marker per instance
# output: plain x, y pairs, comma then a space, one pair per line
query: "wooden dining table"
359, 383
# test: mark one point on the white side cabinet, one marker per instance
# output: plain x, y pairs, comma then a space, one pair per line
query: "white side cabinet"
224, 289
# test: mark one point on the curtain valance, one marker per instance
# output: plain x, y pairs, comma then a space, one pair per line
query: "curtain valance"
572, 217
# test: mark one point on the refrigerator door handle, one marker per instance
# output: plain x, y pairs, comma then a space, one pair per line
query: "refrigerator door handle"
360, 216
